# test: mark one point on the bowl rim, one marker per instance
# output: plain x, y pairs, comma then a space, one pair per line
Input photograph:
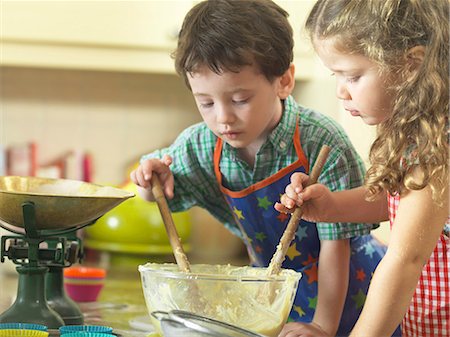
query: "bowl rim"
176, 274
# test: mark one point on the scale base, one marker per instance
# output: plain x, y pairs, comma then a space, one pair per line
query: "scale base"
24, 313
58, 300
71, 315
31, 305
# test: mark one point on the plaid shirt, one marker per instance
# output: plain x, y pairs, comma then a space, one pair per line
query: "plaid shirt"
196, 184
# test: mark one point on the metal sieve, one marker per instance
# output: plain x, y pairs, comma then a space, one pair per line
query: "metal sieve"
177, 323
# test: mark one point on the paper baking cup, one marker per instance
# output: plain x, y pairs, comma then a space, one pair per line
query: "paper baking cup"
83, 280
84, 272
23, 326
22, 333
99, 329
83, 292
87, 334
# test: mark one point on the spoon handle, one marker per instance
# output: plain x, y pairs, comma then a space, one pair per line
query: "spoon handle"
291, 228
171, 230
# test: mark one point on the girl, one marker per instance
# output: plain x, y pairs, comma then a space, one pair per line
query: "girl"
390, 59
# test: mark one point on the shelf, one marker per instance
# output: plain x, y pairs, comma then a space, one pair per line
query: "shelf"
130, 36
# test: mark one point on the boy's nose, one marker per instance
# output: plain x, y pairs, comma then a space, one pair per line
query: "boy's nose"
224, 115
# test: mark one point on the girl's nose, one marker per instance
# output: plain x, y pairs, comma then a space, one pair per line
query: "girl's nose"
341, 91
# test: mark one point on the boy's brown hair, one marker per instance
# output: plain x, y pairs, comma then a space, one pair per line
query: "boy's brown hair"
225, 35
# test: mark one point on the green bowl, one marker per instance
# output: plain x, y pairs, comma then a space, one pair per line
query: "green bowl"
136, 226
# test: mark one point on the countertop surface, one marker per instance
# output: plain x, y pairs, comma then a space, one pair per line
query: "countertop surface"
120, 305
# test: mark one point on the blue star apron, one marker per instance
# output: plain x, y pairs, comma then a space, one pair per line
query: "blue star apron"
262, 227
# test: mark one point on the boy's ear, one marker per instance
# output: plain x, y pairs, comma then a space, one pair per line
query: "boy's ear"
286, 82
415, 57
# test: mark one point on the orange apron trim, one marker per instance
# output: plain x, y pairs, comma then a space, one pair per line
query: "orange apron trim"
301, 161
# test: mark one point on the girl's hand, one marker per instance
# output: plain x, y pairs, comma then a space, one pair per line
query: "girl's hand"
143, 174
302, 330
318, 197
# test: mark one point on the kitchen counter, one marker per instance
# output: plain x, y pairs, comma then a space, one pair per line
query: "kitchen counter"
120, 305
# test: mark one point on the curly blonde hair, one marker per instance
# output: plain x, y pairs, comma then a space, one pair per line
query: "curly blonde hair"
385, 31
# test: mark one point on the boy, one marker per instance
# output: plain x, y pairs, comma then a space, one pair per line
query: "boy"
236, 58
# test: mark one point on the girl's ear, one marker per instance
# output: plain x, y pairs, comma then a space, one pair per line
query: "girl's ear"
414, 58
286, 82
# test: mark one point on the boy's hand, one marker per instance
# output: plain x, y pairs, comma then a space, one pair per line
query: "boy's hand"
143, 174
317, 195
302, 330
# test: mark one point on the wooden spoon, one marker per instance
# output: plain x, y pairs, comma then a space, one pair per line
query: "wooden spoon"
291, 228
197, 302
178, 251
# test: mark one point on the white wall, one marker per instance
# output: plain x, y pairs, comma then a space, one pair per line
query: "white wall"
115, 116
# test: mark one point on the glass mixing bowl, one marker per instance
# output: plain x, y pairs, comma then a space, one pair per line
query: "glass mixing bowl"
241, 296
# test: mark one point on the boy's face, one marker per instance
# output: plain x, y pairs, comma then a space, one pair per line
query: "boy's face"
241, 108
359, 84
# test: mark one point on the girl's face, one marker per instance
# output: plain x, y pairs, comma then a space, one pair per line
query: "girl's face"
358, 83
241, 108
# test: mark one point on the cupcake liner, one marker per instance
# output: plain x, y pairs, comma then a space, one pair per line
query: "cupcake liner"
99, 329
86, 334
22, 333
83, 281
23, 326
84, 278
83, 293
85, 272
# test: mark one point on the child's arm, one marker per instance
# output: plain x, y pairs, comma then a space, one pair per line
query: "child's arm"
333, 278
326, 206
417, 227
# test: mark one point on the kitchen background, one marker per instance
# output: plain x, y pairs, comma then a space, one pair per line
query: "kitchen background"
87, 87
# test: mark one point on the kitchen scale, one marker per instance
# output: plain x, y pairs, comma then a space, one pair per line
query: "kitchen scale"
44, 215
